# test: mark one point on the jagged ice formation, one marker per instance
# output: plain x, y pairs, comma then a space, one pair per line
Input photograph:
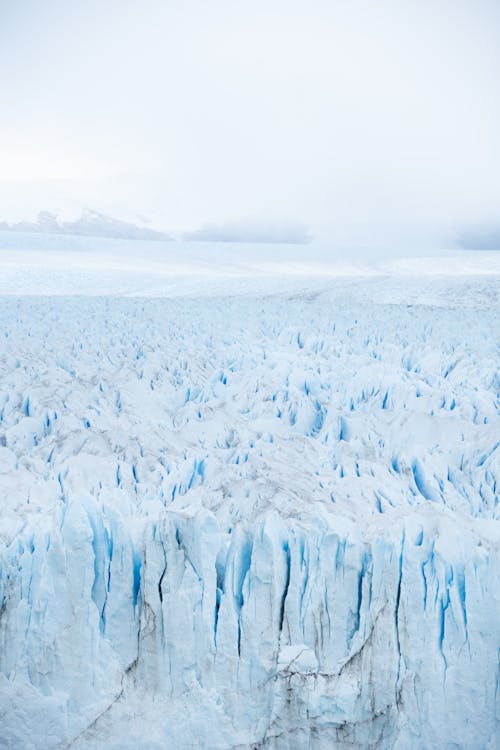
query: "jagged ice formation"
249, 522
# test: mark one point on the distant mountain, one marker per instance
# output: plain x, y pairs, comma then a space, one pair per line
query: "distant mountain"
90, 224
252, 230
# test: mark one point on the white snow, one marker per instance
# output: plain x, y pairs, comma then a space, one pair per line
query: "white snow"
248, 499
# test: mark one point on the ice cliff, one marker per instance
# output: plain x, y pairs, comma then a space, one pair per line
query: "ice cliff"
268, 523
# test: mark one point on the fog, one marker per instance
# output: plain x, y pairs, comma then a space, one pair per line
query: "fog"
252, 229
362, 124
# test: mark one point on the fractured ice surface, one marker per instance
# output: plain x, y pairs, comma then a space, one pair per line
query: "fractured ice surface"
248, 522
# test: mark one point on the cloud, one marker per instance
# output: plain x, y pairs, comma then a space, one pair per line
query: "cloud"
485, 237
378, 122
252, 230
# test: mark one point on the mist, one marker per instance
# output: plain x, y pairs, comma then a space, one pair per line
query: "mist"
369, 124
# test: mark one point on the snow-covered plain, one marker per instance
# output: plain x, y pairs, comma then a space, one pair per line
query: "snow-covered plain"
248, 500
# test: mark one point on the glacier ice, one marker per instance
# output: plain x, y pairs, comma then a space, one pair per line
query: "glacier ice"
249, 522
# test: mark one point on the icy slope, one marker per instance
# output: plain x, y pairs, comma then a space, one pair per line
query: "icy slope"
249, 522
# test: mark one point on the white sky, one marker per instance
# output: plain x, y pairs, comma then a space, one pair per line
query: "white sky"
370, 121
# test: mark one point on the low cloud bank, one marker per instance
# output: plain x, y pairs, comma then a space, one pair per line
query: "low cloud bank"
252, 230
480, 238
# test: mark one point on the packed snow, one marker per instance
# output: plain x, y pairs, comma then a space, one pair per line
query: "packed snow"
248, 504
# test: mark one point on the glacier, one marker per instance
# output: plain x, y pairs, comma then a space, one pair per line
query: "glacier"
262, 516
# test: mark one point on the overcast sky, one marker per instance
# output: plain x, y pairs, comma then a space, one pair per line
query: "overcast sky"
369, 121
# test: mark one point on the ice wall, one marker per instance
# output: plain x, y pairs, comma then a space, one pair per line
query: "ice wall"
248, 524
304, 635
